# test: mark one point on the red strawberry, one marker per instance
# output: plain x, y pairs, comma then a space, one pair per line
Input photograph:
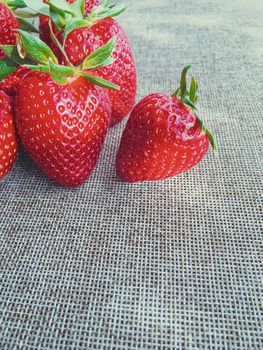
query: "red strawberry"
8, 142
7, 25
122, 72
11, 83
163, 137
62, 118
62, 127
44, 31
82, 40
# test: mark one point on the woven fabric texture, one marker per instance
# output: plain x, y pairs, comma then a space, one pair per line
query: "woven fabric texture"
174, 264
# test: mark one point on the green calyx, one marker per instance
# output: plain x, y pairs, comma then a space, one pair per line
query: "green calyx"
13, 4
67, 17
105, 10
189, 97
78, 20
34, 54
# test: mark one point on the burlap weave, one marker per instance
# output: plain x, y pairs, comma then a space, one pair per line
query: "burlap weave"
175, 264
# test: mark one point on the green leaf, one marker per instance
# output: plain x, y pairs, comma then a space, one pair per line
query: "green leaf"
35, 48
12, 52
100, 56
196, 97
14, 4
189, 103
108, 62
212, 141
201, 124
25, 14
176, 93
67, 71
193, 90
209, 134
60, 73
105, 3
61, 5
44, 69
59, 12
116, 11
183, 83
100, 82
78, 8
38, 6
74, 24
58, 16
25, 25
7, 67
105, 11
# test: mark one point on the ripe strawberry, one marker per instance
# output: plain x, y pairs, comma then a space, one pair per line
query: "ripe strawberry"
83, 41
44, 31
11, 83
8, 142
163, 137
62, 127
7, 25
62, 118
82, 35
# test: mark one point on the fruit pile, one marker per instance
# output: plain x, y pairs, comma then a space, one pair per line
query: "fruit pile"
63, 84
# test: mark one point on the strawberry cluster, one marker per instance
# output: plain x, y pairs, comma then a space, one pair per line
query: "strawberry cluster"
63, 84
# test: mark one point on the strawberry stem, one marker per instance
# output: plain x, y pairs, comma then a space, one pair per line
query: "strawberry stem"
183, 83
190, 98
57, 43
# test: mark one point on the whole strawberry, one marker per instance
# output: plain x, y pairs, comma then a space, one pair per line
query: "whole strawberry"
44, 30
163, 136
62, 112
81, 40
8, 142
62, 127
8, 23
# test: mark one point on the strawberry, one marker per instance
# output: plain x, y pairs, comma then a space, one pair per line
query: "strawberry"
8, 23
62, 112
122, 72
44, 30
8, 142
62, 127
11, 83
163, 136
81, 40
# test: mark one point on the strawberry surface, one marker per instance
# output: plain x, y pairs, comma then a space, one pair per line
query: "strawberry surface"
8, 141
63, 127
11, 83
83, 41
8, 24
162, 139
44, 30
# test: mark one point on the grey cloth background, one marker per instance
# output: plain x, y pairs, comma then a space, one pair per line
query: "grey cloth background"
174, 264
